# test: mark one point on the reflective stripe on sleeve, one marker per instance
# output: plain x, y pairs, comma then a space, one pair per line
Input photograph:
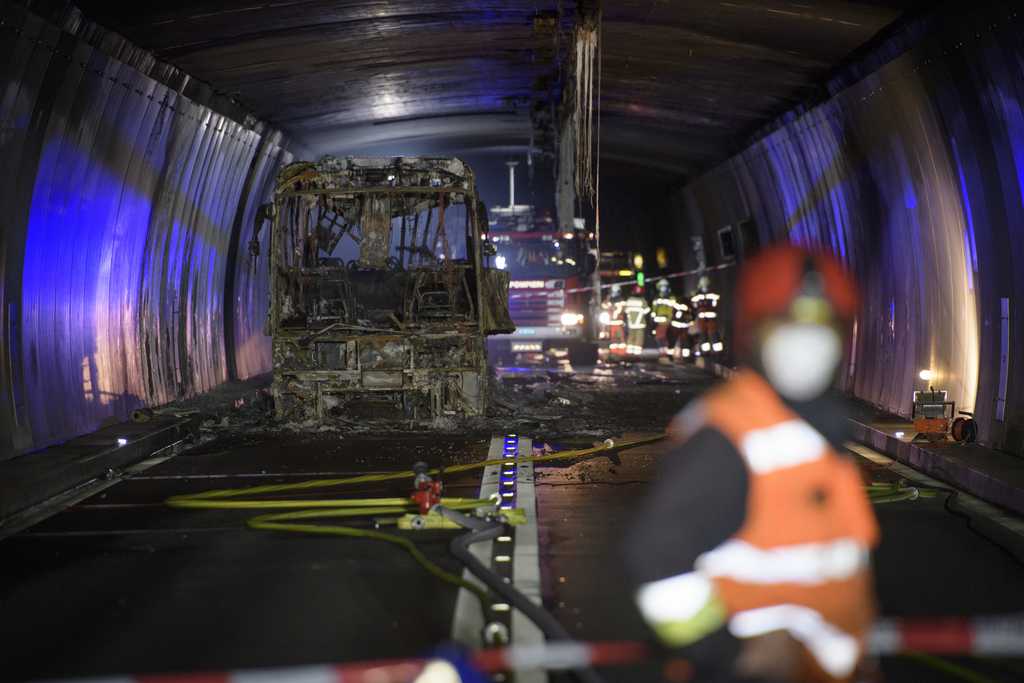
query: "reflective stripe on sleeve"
780, 446
806, 564
835, 650
676, 598
681, 609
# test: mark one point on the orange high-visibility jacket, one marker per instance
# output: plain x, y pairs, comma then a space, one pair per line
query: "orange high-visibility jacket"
800, 560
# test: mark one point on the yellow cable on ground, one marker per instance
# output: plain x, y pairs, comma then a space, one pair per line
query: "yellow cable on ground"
318, 509
215, 499
891, 492
277, 522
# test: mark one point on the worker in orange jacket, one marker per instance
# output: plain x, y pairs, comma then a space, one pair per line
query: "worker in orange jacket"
751, 556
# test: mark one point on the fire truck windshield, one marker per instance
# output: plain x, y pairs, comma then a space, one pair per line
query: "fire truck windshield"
546, 256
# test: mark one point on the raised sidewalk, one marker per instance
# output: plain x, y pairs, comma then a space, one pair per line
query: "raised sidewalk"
32, 479
989, 474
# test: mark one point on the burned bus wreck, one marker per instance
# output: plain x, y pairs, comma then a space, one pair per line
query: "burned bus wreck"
380, 296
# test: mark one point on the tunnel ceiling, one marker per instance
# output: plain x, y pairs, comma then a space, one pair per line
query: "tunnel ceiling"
682, 83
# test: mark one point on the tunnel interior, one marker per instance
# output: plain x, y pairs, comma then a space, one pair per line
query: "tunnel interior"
139, 140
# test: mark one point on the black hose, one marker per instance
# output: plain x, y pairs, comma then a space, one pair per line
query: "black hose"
486, 531
952, 501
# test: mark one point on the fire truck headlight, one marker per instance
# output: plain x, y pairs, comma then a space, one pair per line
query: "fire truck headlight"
571, 319
499, 262
605, 318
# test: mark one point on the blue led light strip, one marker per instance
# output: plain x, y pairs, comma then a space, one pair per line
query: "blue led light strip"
507, 484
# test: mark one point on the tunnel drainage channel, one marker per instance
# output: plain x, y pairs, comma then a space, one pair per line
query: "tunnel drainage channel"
514, 555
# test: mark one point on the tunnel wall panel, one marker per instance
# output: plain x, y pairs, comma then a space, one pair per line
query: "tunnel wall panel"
249, 279
913, 176
121, 197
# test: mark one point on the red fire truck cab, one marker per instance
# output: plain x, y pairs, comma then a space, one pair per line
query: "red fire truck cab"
552, 296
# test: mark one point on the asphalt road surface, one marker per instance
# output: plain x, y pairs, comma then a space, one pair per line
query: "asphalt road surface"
119, 583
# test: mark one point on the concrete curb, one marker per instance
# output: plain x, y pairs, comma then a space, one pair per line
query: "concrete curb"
32, 479
973, 481
947, 470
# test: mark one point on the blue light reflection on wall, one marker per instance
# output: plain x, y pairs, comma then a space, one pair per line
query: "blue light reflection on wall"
972, 243
132, 207
868, 175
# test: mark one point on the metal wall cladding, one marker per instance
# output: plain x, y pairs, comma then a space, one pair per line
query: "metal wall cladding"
120, 198
251, 291
913, 177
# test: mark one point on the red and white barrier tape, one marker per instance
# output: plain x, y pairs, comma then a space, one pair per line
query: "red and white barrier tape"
986, 636
670, 276
383, 671
659, 277
558, 656
554, 656
989, 636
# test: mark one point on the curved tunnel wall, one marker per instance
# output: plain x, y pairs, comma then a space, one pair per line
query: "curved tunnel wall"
124, 192
913, 174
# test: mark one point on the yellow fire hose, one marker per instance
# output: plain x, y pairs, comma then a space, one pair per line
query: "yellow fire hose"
878, 492
319, 509
891, 492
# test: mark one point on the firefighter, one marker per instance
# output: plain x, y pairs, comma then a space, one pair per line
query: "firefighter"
666, 312
690, 344
613, 307
636, 310
705, 307
751, 555
680, 332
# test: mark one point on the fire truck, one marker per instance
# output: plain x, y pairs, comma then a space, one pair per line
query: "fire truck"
554, 292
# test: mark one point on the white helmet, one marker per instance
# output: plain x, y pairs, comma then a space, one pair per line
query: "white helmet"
616, 290
662, 285
704, 282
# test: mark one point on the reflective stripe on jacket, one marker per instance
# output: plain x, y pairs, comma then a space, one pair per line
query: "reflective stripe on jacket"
800, 561
614, 309
636, 309
664, 308
705, 304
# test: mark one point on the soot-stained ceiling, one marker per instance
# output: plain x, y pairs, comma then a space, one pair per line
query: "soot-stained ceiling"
681, 82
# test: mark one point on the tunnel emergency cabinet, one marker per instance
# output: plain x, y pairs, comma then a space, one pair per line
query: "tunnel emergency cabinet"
380, 300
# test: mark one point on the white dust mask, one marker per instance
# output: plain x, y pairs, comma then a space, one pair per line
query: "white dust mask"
800, 359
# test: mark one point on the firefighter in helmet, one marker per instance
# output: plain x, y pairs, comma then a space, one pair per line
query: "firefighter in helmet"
682, 323
667, 313
636, 310
705, 307
612, 317
751, 554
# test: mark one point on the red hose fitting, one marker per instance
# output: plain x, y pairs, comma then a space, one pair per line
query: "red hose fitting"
427, 495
